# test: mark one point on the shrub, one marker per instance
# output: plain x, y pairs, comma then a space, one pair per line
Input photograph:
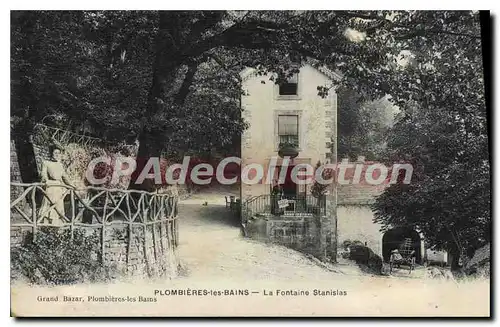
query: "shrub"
348, 243
319, 190
54, 258
365, 256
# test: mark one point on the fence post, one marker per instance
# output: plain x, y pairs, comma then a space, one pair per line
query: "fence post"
163, 229
146, 255
145, 228
129, 246
176, 222
103, 236
153, 225
130, 236
72, 199
33, 212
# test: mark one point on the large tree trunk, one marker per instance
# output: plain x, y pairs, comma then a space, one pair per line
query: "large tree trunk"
25, 152
169, 81
455, 253
148, 148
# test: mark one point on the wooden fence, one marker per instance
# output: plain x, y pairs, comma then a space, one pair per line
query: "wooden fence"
149, 218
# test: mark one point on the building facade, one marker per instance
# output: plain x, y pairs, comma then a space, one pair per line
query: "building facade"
292, 113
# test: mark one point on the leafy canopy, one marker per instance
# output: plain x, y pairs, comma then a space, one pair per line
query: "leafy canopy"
168, 78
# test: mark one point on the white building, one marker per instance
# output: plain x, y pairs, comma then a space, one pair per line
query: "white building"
295, 113
291, 113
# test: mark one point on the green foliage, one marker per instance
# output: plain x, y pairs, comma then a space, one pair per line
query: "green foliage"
318, 190
93, 72
54, 258
118, 74
363, 125
170, 79
442, 132
366, 258
347, 243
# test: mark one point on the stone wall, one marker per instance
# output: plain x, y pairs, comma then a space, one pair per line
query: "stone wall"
151, 252
355, 223
307, 233
17, 235
301, 235
355, 217
15, 173
298, 233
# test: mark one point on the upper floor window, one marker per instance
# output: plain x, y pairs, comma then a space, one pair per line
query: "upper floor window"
288, 129
290, 87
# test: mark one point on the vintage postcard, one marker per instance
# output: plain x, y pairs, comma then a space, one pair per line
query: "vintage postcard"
250, 163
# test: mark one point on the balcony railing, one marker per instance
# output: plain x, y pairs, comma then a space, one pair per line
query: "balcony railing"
277, 206
292, 140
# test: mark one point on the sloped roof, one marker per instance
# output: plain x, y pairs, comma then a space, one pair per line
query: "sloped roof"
353, 194
249, 72
334, 75
362, 193
481, 256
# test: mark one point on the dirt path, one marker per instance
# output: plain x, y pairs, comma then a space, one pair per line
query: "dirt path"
219, 260
211, 246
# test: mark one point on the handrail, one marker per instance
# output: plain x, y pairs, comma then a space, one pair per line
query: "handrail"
96, 188
72, 137
268, 204
252, 200
35, 205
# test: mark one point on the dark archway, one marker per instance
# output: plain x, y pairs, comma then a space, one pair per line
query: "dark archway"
393, 239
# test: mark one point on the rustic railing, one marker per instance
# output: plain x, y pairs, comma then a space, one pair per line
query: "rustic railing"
100, 208
63, 136
267, 205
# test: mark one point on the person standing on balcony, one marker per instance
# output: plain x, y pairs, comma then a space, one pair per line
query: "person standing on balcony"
54, 176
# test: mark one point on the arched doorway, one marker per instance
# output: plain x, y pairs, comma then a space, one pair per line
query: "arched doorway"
393, 239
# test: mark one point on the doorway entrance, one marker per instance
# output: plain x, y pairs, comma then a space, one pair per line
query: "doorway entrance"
393, 239
289, 187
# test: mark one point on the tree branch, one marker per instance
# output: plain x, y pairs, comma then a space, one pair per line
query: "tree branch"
250, 35
209, 20
384, 20
435, 31
183, 92
221, 63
